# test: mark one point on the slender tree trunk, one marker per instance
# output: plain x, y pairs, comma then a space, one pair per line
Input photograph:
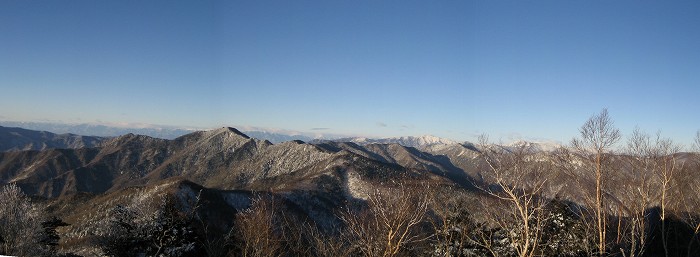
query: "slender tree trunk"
599, 205
663, 217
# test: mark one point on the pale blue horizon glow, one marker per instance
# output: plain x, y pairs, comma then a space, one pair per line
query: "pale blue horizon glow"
533, 70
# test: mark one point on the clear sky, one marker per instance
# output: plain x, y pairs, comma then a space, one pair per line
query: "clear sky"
513, 69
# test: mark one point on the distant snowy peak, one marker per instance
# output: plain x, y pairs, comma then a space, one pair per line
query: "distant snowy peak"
535, 146
420, 142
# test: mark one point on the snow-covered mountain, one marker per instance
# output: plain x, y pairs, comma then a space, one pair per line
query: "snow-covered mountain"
534, 146
419, 142
276, 136
434, 144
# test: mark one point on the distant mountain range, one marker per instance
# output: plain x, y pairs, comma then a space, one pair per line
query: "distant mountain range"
165, 132
19, 139
16, 138
222, 158
100, 130
82, 177
410, 141
84, 182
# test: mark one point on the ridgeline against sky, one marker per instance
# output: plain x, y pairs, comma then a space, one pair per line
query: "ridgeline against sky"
454, 69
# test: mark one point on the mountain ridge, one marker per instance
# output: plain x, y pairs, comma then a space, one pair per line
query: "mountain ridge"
19, 139
226, 169
225, 158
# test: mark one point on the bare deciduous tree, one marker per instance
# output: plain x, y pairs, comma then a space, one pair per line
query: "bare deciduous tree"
518, 179
598, 136
326, 245
258, 229
688, 199
638, 195
689, 203
392, 224
666, 165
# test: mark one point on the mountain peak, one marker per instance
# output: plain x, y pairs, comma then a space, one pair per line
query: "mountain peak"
237, 132
427, 140
230, 130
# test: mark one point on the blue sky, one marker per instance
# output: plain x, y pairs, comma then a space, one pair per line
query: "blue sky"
534, 70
